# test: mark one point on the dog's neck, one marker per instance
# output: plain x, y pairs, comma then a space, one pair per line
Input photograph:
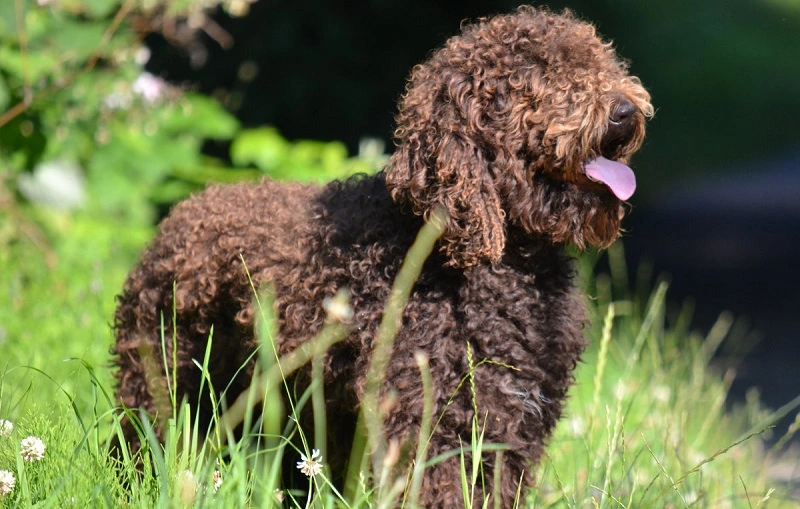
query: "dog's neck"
517, 239
529, 252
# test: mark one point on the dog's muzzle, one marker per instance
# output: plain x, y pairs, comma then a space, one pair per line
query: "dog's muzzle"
617, 177
621, 127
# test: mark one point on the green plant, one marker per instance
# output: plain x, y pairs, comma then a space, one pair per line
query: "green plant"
85, 126
646, 425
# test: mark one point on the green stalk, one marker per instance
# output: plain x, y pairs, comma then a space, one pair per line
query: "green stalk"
369, 431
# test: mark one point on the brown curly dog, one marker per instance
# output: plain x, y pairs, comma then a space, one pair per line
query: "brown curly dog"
521, 127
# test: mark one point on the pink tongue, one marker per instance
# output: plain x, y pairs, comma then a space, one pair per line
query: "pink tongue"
618, 177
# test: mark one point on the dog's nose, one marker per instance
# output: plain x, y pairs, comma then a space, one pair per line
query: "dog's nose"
623, 111
621, 126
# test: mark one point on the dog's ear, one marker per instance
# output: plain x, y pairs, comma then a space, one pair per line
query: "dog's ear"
449, 170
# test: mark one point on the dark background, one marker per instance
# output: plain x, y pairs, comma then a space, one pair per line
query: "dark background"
718, 206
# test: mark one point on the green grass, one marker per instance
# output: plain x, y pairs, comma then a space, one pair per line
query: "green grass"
647, 423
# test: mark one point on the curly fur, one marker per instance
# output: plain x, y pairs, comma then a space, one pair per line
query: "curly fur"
496, 127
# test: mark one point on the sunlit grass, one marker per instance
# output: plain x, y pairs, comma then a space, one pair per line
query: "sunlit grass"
646, 425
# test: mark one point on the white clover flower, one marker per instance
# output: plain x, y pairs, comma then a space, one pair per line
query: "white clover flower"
7, 482
310, 466
217, 480
32, 449
6, 427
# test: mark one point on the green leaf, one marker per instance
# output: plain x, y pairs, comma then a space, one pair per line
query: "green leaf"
201, 116
333, 156
204, 173
36, 66
76, 39
147, 159
111, 189
264, 148
92, 8
8, 19
173, 191
5, 95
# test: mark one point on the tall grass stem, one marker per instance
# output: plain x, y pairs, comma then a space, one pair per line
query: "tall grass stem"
387, 331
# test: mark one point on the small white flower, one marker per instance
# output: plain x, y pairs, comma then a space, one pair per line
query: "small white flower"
149, 87
142, 55
6, 427
32, 449
59, 184
338, 307
310, 466
217, 480
117, 101
7, 482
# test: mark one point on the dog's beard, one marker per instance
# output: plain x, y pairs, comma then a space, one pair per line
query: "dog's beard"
565, 212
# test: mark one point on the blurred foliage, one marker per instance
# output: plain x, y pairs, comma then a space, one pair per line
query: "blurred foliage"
303, 160
84, 128
92, 148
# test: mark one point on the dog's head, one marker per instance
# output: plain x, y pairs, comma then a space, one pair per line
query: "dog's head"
528, 119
